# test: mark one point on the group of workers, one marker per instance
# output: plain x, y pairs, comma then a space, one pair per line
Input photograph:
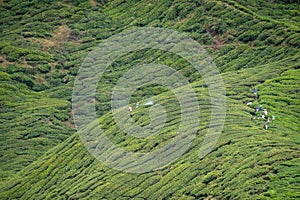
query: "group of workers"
148, 103
130, 108
262, 112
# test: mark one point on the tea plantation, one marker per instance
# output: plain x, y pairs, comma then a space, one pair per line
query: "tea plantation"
254, 44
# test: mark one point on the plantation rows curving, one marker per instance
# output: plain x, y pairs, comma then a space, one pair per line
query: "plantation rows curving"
253, 44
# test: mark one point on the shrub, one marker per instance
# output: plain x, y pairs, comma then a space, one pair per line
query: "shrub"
55, 82
4, 76
206, 39
12, 53
44, 68
11, 69
39, 57
40, 87
248, 36
58, 74
23, 79
294, 40
62, 116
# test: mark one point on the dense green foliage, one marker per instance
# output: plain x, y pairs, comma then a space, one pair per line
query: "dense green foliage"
253, 43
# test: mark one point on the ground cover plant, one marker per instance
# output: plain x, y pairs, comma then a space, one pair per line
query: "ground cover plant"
253, 43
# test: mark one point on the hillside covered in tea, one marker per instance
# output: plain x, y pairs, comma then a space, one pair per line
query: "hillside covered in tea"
254, 44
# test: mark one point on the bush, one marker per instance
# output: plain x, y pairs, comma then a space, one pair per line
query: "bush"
55, 82
12, 53
11, 69
58, 74
23, 79
39, 57
206, 39
44, 68
62, 116
248, 36
294, 40
34, 57
4, 76
39, 87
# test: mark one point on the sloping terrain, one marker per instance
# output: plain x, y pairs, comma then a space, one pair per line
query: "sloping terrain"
31, 123
42, 47
261, 163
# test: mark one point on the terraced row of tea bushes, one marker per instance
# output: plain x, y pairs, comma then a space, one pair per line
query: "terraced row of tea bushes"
31, 123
